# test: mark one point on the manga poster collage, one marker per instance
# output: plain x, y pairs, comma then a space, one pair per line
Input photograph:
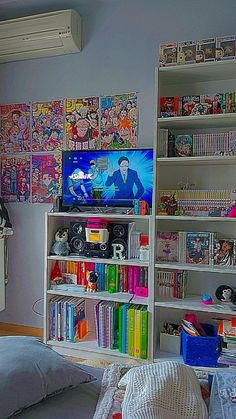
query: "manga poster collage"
15, 178
119, 121
32, 137
82, 123
14, 128
46, 177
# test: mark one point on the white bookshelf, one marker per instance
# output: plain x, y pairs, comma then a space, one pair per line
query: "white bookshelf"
207, 172
88, 347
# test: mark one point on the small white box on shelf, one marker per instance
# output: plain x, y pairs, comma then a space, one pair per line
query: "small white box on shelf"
170, 343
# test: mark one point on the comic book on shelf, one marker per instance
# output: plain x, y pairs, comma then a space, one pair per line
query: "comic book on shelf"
224, 252
167, 246
197, 247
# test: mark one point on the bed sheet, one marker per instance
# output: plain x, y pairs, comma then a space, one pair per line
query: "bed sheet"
77, 403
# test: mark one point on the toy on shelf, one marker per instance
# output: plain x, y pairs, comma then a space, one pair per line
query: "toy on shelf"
206, 299
92, 279
225, 294
60, 246
231, 212
56, 275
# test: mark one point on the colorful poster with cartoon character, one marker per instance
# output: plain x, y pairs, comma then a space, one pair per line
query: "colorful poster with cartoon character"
14, 124
46, 177
82, 131
119, 121
48, 125
15, 178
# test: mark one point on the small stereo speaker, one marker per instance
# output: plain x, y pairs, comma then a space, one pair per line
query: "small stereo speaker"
119, 234
77, 237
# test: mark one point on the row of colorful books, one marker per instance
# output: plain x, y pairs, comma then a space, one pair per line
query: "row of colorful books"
197, 248
111, 278
171, 284
227, 331
220, 48
207, 104
123, 327
196, 202
67, 319
196, 145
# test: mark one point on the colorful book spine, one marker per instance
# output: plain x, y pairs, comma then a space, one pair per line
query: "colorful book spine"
137, 332
131, 328
143, 333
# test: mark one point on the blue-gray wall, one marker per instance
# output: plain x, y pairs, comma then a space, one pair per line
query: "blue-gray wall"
120, 52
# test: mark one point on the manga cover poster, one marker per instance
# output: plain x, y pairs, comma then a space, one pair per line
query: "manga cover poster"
14, 128
46, 177
82, 130
119, 121
48, 125
15, 178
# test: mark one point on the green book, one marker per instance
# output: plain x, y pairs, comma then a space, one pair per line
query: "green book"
143, 333
120, 328
107, 276
130, 328
112, 279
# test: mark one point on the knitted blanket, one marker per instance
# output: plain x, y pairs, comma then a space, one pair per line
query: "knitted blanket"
164, 390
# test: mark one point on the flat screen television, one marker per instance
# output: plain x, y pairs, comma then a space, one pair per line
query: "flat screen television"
107, 177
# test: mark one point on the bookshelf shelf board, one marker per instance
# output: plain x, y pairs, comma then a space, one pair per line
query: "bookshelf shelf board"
194, 303
195, 73
89, 344
122, 297
88, 214
196, 161
185, 267
190, 218
201, 121
132, 262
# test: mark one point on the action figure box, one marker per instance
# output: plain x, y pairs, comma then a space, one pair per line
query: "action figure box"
225, 48
208, 48
189, 103
187, 52
169, 106
168, 54
213, 103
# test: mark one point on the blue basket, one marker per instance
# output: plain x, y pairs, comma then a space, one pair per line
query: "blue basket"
202, 351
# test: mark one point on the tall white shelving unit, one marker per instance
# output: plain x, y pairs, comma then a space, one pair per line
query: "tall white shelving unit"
88, 348
216, 172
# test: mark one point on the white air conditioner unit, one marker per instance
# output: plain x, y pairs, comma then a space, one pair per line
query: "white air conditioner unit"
43, 35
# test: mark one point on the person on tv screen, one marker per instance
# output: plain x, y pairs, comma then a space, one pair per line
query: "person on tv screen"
96, 180
124, 180
76, 184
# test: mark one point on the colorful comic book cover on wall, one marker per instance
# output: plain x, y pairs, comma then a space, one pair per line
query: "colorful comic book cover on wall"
48, 125
15, 124
46, 177
119, 121
82, 130
15, 178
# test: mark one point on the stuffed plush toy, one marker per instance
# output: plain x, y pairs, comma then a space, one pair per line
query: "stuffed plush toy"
60, 246
4, 218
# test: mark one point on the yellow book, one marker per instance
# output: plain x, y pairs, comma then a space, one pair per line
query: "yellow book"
130, 329
137, 332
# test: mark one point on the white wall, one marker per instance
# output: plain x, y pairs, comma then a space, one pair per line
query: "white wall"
120, 52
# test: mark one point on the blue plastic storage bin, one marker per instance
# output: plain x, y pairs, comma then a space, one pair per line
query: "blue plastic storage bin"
202, 351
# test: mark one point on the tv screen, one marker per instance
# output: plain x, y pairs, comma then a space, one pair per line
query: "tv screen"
107, 177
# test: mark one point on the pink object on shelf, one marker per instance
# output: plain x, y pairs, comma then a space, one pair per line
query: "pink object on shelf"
96, 223
141, 292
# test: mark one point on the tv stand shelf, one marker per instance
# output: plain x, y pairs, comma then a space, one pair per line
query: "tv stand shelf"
128, 217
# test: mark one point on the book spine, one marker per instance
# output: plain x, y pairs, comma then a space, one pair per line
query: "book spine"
137, 331
131, 324
143, 333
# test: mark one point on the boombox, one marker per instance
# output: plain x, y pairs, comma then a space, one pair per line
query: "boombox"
79, 245
119, 233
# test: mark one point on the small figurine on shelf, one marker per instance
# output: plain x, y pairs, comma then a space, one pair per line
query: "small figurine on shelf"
231, 212
92, 278
56, 275
60, 246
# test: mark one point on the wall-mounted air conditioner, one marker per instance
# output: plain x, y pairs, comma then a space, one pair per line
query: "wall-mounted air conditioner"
43, 35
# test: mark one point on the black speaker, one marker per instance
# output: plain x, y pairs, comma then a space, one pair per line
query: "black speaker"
97, 250
119, 233
77, 237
